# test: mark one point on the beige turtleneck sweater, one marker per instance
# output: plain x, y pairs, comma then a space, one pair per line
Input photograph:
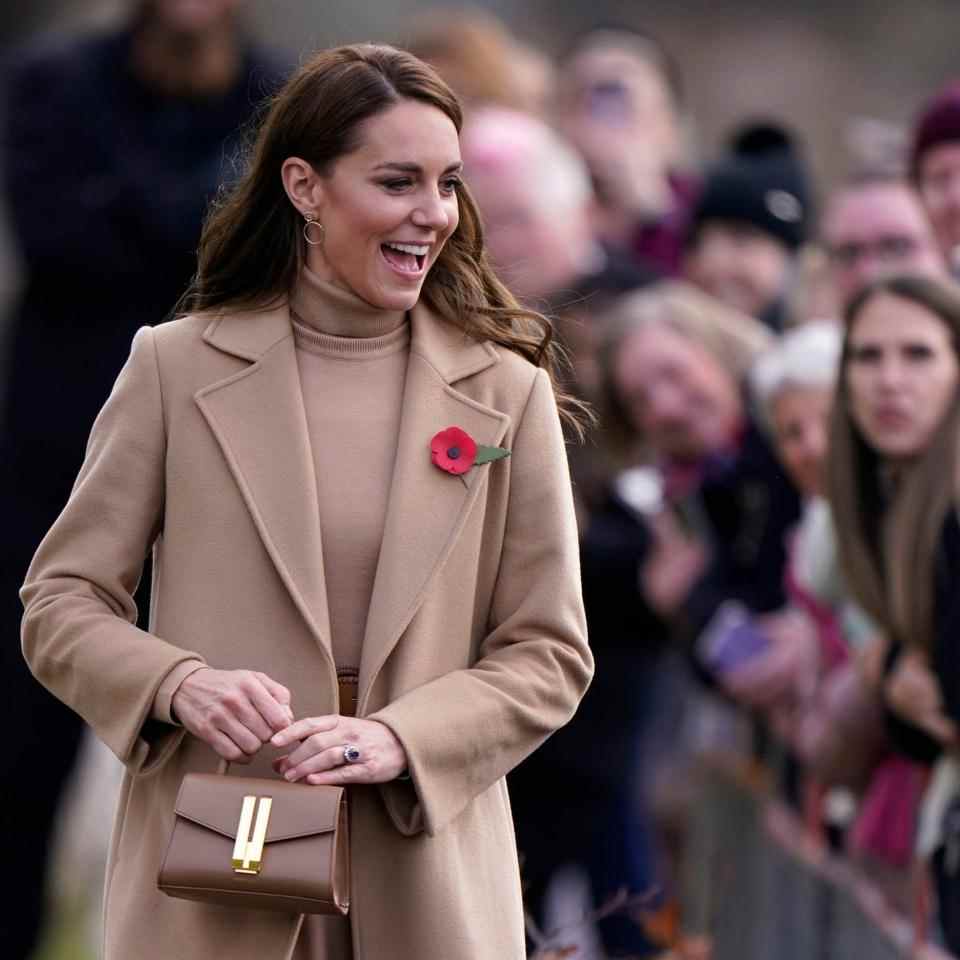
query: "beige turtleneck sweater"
352, 359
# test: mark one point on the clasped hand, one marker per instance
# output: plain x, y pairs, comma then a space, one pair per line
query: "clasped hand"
236, 712
912, 691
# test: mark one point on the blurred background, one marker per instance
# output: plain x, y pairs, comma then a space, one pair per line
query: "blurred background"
845, 75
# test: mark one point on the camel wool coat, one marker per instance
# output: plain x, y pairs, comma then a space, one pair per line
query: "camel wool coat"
475, 646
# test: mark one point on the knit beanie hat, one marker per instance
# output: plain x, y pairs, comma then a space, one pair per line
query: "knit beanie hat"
762, 182
939, 122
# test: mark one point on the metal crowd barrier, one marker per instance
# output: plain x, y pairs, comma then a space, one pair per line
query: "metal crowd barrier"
757, 884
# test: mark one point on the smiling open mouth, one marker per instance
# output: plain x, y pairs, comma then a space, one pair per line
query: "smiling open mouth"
405, 257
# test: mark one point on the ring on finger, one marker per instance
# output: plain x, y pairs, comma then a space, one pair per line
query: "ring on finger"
351, 753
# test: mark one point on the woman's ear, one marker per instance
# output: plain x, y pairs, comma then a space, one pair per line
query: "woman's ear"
302, 185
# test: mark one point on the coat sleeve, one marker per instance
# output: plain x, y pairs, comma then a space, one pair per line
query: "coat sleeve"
79, 636
465, 731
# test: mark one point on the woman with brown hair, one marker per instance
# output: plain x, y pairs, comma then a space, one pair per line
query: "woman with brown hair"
348, 588
894, 478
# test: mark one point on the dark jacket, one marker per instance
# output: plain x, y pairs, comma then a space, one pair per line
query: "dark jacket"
106, 182
626, 636
750, 506
745, 507
945, 655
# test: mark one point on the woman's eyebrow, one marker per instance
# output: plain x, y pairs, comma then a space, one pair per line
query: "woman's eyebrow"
407, 167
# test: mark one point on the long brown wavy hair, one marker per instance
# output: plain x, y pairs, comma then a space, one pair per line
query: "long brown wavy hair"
888, 529
252, 247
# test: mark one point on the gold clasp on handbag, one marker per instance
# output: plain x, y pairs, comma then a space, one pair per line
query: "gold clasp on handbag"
248, 850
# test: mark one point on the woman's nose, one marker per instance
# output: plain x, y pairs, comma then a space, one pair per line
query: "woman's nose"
431, 212
891, 373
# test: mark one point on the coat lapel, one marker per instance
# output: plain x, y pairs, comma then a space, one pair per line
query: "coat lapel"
258, 419
427, 507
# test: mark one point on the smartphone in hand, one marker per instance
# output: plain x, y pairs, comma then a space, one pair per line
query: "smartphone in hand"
730, 639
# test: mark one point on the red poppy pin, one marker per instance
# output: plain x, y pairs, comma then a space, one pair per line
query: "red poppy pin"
455, 451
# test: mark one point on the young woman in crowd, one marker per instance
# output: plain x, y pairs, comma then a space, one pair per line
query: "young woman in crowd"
893, 484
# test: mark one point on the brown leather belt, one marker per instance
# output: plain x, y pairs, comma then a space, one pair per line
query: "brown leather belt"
348, 683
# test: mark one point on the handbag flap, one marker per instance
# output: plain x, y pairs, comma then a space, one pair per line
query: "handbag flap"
214, 801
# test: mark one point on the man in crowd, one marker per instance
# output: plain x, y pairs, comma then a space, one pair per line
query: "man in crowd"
538, 211
538, 208
620, 104
535, 197
873, 225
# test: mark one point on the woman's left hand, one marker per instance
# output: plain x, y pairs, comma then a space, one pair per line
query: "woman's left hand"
319, 745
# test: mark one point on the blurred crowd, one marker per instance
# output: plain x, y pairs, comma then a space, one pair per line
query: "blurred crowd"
768, 576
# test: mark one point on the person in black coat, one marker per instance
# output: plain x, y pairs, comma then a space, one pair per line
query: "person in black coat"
704, 519
576, 799
112, 146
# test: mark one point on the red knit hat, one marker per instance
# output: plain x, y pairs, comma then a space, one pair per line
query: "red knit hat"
938, 123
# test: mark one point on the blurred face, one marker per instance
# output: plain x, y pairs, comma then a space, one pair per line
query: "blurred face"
537, 250
875, 230
534, 79
940, 191
676, 394
901, 373
388, 207
616, 108
615, 86
800, 417
193, 16
739, 265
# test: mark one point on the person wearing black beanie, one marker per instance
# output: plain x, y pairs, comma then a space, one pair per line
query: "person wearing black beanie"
751, 220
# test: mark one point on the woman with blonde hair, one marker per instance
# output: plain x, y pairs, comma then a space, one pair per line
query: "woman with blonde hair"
673, 370
894, 478
703, 337
347, 461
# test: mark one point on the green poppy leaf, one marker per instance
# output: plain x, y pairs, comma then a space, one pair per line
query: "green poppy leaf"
487, 454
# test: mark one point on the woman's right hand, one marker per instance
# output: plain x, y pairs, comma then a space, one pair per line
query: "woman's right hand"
912, 691
233, 711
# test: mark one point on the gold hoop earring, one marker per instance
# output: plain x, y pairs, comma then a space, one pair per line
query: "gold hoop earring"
312, 221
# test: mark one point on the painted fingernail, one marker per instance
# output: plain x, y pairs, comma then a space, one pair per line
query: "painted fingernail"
289, 775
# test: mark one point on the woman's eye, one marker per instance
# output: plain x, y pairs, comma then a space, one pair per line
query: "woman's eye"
865, 355
401, 183
450, 184
918, 352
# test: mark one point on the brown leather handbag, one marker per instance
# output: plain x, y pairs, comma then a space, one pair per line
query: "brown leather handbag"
259, 844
